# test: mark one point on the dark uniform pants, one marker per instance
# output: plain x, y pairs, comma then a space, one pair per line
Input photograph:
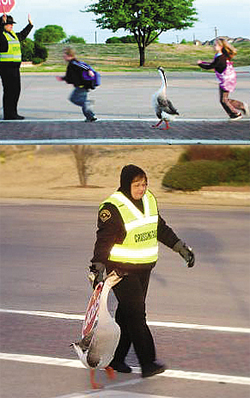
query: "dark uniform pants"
11, 80
131, 317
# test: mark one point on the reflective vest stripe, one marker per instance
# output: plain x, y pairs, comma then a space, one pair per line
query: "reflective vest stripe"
8, 56
138, 223
137, 213
14, 49
123, 252
140, 245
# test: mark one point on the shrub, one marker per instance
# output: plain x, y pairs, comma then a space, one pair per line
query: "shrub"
75, 39
27, 48
113, 40
37, 60
31, 51
241, 154
214, 152
192, 176
128, 39
40, 51
206, 152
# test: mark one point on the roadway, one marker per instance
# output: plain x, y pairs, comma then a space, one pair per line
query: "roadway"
199, 317
125, 101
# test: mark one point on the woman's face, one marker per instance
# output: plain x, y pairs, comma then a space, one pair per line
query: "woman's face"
8, 27
138, 188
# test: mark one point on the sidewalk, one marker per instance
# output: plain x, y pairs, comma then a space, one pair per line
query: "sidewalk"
125, 132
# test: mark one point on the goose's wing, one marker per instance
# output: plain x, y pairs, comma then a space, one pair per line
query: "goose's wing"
158, 113
103, 344
169, 108
162, 102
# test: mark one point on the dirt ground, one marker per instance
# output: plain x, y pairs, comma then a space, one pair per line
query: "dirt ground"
50, 173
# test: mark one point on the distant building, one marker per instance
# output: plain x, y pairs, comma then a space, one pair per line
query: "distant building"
229, 39
197, 42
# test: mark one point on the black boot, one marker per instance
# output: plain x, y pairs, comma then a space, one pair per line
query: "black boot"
14, 117
121, 367
152, 369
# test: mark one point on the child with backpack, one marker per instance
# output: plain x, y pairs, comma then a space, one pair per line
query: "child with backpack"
83, 77
226, 76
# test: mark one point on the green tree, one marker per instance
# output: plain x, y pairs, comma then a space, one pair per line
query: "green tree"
145, 19
50, 34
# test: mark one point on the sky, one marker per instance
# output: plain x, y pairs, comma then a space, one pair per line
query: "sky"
227, 17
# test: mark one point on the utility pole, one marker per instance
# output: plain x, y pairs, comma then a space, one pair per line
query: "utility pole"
216, 31
95, 37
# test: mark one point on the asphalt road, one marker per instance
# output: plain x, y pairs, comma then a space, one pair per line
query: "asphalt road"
124, 97
45, 251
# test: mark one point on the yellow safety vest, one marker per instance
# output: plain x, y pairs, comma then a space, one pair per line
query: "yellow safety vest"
140, 245
14, 49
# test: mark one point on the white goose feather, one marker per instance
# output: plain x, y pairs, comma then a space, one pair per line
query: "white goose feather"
96, 350
164, 109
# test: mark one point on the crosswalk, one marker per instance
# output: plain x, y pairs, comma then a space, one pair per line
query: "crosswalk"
75, 363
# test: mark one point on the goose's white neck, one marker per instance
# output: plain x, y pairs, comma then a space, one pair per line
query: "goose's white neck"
103, 299
108, 284
163, 79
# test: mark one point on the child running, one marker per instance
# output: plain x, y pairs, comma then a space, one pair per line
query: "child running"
74, 75
226, 76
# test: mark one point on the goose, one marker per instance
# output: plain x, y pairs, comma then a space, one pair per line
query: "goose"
97, 347
164, 109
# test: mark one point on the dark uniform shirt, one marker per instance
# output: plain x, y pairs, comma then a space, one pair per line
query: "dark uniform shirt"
4, 42
111, 230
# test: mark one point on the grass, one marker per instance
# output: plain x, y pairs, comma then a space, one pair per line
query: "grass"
125, 57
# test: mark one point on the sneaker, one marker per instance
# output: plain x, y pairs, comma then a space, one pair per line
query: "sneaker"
121, 367
246, 109
238, 116
152, 369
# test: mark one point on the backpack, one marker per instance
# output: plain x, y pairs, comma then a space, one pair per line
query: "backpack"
88, 81
227, 79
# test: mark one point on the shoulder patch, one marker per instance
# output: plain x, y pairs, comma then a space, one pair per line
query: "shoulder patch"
104, 215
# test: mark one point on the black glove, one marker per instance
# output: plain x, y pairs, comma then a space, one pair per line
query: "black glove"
186, 252
96, 273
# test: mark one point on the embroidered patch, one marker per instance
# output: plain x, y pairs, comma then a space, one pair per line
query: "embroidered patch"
105, 215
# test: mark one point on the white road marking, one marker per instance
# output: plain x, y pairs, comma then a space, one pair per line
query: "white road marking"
75, 363
123, 141
200, 327
111, 394
178, 325
48, 314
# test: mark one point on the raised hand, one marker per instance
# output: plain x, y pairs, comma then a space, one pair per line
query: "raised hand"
29, 19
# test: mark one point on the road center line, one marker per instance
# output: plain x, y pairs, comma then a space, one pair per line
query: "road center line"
75, 363
179, 325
